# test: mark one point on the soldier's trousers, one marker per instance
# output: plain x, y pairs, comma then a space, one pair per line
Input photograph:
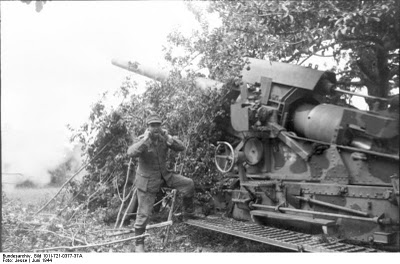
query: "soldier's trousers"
183, 185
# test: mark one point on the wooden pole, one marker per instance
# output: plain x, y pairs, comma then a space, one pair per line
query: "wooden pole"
129, 206
171, 211
124, 196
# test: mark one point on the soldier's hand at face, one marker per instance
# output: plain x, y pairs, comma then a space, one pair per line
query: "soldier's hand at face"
164, 132
146, 134
167, 136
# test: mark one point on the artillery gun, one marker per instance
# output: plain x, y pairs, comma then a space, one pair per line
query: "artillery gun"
304, 174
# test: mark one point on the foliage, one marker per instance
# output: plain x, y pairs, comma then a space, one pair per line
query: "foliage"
105, 133
365, 35
187, 113
60, 174
190, 114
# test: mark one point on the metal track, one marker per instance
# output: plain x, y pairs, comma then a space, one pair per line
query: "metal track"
278, 237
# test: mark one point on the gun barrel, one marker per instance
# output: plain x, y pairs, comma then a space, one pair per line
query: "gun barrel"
158, 74
142, 69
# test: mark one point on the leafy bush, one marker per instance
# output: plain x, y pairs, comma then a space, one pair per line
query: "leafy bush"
193, 115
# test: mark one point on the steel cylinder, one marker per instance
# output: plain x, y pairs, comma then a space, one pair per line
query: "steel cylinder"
317, 122
161, 74
150, 71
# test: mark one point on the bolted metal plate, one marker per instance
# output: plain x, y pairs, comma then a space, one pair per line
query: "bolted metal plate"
239, 117
291, 240
301, 77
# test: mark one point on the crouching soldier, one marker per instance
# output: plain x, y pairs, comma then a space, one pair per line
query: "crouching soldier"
152, 148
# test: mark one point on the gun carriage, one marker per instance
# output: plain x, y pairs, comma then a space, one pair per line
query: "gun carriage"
301, 168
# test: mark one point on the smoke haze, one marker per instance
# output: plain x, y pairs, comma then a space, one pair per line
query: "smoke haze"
33, 153
56, 62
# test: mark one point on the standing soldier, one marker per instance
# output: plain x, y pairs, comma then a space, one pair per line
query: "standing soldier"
152, 149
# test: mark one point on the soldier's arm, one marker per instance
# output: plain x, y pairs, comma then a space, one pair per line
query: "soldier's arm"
138, 147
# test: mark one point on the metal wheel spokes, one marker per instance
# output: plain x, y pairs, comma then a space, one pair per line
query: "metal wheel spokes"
224, 157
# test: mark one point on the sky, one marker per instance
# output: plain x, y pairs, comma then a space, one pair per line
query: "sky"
56, 63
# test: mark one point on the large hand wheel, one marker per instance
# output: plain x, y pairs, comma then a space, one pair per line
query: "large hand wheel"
224, 157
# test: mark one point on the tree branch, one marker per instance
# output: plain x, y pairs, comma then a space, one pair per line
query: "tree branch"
298, 54
294, 43
344, 72
54, 233
358, 84
125, 196
394, 71
325, 56
309, 56
379, 43
289, 32
65, 183
128, 208
92, 245
294, 56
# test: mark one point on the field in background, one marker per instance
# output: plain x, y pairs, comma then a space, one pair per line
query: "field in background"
29, 195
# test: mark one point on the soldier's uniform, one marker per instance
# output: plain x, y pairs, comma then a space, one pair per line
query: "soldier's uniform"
152, 172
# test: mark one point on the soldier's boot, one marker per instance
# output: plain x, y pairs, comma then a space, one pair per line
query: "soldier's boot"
139, 241
189, 210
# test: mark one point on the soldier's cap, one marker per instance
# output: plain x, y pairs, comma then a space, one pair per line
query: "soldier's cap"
152, 119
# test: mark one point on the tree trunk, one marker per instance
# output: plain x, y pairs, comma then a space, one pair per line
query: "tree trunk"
373, 64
